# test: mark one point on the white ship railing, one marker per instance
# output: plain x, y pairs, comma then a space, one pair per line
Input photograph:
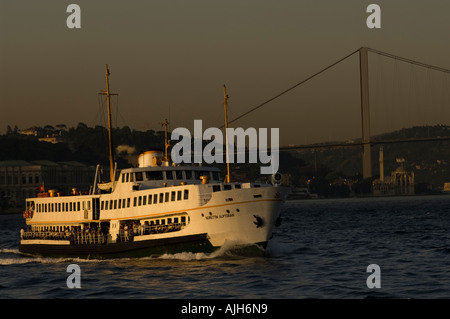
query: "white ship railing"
127, 235
77, 238
81, 238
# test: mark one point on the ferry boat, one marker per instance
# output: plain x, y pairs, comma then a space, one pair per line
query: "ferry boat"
152, 209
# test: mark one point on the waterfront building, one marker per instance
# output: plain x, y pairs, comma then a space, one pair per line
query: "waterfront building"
401, 181
23, 179
446, 187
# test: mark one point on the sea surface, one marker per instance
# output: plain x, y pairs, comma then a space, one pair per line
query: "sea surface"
321, 250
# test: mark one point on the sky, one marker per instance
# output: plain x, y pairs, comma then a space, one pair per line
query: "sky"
170, 59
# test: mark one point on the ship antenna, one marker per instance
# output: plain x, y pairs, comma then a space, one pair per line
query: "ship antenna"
166, 140
225, 99
111, 150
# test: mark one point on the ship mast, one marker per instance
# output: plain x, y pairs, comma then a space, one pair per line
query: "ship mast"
225, 99
111, 150
166, 141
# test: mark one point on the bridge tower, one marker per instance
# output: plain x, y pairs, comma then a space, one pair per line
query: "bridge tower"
365, 112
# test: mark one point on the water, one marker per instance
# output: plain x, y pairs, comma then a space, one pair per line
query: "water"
321, 250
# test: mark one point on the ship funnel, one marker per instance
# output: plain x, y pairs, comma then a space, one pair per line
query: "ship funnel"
150, 158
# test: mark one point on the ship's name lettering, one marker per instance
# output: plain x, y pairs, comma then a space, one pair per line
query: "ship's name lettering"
219, 216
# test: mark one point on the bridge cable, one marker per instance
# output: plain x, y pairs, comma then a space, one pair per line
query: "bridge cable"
327, 68
396, 57
290, 89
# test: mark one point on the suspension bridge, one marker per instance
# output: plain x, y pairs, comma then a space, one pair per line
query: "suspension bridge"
366, 142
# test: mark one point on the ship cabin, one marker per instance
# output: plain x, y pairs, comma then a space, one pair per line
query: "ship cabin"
155, 177
154, 172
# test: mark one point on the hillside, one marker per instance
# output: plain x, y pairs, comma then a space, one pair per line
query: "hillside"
430, 161
82, 143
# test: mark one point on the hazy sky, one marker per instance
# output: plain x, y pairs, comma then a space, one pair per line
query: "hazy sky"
170, 59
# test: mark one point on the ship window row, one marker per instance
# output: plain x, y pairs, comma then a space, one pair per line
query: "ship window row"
168, 175
174, 220
225, 187
49, 228
63, 207
145, 200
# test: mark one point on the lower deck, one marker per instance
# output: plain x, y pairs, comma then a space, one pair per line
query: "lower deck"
143, 248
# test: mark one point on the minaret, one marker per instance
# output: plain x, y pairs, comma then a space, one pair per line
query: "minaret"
381, 165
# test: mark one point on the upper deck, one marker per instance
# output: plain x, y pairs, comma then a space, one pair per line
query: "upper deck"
162, 176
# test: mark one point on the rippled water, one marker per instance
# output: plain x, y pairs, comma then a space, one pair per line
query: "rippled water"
321, 250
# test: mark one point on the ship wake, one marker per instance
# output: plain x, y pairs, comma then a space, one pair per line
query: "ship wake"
15, 257
229, 249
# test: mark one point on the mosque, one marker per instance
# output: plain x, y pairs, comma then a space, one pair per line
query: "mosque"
401, 182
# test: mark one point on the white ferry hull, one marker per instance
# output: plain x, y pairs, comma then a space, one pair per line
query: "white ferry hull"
246, 221
236, 218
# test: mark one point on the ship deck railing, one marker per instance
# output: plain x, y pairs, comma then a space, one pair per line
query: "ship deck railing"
128, 235
86, 239
81, 238
74, 238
